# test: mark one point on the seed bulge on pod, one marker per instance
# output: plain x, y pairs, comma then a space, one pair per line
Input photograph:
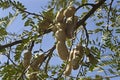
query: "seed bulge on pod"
60, 35
70, 11
62, 50
27, 58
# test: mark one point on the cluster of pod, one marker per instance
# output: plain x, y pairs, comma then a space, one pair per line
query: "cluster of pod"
33, 63
76, 56
65, 22
64, 28
74, 60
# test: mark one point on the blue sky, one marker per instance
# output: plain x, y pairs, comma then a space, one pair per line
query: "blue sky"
17, 26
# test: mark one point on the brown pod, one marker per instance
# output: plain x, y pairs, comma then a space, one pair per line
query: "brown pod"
70, 11
69, 27
27, 58
68, 69
76, 59
60, 35
60, 16
62, 50
37, 61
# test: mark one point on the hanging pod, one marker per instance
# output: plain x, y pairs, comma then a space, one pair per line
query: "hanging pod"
62, 50
27, 58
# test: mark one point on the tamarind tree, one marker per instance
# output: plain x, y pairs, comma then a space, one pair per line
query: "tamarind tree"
63, 40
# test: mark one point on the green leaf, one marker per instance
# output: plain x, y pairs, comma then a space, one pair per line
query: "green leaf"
69, 43
117, 30
29, 22
4, 4
19, 49
2, 31
48, 15
100, 23
97, 30
84, 1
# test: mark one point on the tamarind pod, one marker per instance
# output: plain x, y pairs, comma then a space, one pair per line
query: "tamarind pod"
60, 16
70, 11
68, 69
37, 61
27, 58
75, 60
60, 35
62, 50
69, 27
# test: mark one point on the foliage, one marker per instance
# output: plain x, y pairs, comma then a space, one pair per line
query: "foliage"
97, 30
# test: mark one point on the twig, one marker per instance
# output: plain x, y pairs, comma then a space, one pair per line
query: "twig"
80, 68
32, 45
108, 20
11, 60
87, 35
87, 4
49, 55
10, 44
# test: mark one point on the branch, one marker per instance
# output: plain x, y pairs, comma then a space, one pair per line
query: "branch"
108, 20
49, 55
10, 44
95, 7
20, 41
